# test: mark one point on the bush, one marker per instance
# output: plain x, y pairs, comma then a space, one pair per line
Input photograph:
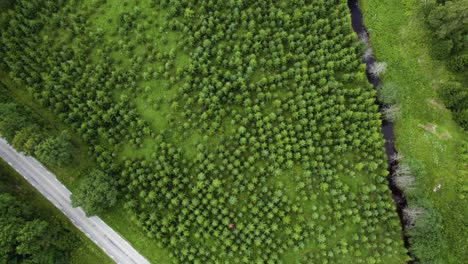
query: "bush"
458, 63
428, 233
455, 98
377, 68
449, 23
390, 113
25, 237
388, 94
441, 49
55, 150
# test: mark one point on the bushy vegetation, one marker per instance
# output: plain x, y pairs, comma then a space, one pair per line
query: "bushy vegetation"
32, 230
455, 97
236, 131
95, 193
21, 128
26, 235
448, 20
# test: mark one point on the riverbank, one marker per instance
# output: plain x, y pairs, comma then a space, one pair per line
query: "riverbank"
426, 135
387, 126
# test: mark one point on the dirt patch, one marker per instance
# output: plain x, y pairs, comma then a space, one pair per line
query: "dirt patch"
435, 104
429, 127
432, 128
445, 135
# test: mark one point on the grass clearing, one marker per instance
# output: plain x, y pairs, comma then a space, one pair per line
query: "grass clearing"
426, 136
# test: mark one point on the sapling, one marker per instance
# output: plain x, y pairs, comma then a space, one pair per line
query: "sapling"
411, 214
377, 68
390, 113
404, 178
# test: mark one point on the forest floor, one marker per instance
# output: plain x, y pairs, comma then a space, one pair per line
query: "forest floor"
118, 218
87, 252
426, 135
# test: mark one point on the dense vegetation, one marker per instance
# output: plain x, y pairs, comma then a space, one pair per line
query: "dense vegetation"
235, 131
21, 128
433, 148
95, 193
31, 231
26, 239
448, 20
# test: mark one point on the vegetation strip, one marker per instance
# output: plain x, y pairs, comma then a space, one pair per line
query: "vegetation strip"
433, 147
387, 126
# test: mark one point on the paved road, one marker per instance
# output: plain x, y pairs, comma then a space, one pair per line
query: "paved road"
48, 185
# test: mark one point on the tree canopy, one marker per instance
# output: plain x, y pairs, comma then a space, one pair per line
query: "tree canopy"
95, 193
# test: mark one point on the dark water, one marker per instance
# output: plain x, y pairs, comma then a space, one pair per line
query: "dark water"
387, 127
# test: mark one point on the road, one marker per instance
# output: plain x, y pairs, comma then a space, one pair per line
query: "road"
47, 184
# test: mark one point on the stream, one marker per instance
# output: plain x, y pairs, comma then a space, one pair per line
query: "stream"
387, 127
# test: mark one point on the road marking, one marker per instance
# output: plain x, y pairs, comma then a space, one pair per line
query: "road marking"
52, 189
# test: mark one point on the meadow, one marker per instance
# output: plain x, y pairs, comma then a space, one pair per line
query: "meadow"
433, 147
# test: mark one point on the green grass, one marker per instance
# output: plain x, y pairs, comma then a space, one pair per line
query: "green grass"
399, 37
87, 252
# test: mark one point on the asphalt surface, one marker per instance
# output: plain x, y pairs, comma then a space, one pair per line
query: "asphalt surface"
47, 184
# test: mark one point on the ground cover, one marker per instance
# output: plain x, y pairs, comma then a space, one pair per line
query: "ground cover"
431, 143
239, 131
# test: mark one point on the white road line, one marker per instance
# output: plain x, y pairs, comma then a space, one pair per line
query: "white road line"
50, 187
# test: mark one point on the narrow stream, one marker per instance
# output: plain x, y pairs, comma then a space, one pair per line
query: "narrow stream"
387, 127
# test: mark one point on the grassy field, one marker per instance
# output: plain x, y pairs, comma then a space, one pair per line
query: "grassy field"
87, 252
426, 135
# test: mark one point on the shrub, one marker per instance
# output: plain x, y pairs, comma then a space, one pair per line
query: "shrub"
377, 68
55, 150
390, 113
458, 63
455, 98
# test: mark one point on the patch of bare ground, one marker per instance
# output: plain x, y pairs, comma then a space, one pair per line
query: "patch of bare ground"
429, 127
432, 102
432, 128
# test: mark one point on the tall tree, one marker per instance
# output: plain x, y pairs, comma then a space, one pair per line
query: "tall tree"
96, 192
